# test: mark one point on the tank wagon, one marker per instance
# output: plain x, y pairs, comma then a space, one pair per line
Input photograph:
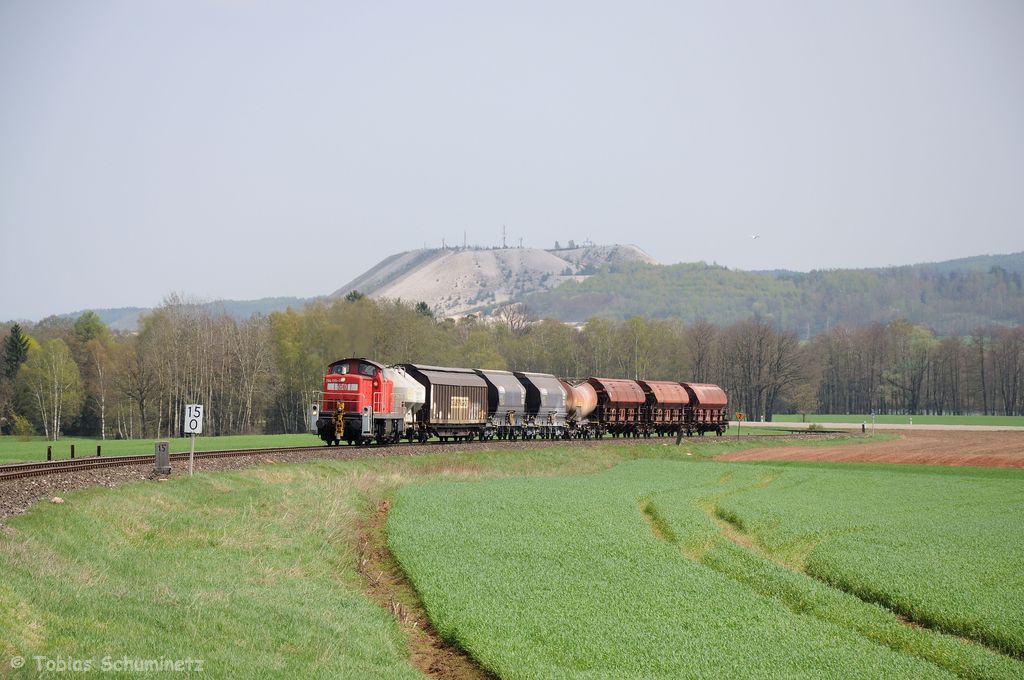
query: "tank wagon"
365, 401
580, 404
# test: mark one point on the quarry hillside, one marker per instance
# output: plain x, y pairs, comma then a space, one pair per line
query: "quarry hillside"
455, 282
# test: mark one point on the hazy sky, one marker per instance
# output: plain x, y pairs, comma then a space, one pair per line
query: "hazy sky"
242, 149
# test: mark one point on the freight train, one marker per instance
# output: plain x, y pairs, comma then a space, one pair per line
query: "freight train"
364, 401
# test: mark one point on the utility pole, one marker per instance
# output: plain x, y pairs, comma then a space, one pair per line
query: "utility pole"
463, 239
504, 232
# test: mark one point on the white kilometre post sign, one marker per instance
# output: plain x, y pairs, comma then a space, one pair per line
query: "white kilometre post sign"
193, 426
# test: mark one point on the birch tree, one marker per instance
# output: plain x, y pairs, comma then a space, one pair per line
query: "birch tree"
50, 386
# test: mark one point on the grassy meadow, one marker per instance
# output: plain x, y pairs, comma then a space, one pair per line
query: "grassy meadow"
609, 561
17, 450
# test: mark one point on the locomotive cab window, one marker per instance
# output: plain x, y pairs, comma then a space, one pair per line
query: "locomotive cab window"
369, 370
340, 369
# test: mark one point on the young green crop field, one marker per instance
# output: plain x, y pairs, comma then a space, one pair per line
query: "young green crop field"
670, 569
606, 561
941, 547
999, 421
16, 450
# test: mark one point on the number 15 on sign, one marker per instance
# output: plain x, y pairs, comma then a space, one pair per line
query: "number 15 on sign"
193, 426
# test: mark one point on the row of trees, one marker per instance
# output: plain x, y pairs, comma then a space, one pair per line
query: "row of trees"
62, 376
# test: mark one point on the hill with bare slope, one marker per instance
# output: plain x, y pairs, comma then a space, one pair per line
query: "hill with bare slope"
461, 281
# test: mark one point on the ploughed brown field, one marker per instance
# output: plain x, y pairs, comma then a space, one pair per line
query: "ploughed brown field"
927, 447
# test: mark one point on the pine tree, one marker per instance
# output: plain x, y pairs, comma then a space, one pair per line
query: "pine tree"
15, 351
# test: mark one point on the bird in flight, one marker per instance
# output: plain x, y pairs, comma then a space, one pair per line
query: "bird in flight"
755, 236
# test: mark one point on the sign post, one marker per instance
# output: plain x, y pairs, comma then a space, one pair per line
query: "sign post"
739, 422
193, 426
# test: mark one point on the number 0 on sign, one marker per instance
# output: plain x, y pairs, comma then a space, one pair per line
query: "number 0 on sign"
194, 419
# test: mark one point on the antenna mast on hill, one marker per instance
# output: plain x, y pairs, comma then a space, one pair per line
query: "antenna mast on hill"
504, 231
520, 241
463, 239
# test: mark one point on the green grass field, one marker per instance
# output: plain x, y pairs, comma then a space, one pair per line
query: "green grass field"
14, 450
1000, 421
632, 573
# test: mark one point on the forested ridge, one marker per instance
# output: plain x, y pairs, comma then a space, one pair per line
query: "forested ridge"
945, 298
63, 376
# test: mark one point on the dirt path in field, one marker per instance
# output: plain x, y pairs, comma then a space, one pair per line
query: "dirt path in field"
931, 447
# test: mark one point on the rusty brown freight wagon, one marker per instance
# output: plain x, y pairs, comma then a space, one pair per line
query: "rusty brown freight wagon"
707, 409
620, 405
665, 408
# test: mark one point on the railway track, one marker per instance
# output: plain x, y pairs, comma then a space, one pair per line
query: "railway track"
20, 470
